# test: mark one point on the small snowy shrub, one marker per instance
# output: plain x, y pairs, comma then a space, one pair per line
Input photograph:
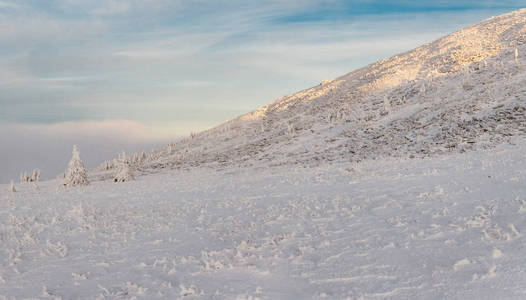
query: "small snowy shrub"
331, 117
170, 149
124, 173
34, 177
23, 177
76, 174
290, 128
386, 106
12, 187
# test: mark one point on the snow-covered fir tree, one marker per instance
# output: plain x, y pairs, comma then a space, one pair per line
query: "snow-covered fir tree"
76, 174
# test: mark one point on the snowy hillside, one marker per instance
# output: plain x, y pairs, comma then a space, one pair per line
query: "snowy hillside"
364, 187
462, 92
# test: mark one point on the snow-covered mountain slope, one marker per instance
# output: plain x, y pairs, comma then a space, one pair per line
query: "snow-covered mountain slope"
444, 227
465, 91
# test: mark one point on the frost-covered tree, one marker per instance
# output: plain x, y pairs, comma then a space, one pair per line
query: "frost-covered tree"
169, 149
24, 177
122, 157
12, 188
76, 174
35, 176
124, 173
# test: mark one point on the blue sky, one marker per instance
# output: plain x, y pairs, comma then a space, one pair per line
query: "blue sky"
171, 67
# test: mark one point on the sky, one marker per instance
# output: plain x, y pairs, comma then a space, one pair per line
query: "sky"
113, 75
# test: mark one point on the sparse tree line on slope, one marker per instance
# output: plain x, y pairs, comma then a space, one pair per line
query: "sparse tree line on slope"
185, 149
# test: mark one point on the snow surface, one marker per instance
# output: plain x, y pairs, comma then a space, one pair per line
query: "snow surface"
442, 227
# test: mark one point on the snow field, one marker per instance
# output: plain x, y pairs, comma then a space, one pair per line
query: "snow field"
444, 227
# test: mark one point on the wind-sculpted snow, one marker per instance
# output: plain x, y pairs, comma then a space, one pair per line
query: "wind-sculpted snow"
447, 227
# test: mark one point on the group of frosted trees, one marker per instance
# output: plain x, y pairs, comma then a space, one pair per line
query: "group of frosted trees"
33, 177
26, 177
76, 173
